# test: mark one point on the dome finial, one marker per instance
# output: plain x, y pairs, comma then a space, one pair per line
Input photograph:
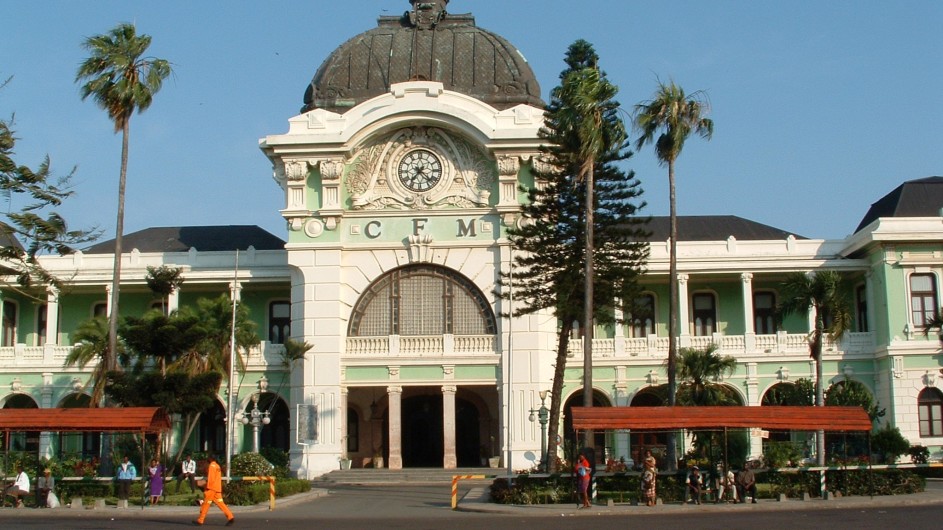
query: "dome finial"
425, 14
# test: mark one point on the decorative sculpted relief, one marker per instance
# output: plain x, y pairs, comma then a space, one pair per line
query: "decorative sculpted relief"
420, 168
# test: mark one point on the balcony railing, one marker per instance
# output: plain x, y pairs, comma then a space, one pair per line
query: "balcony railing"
53, 356
421, 345
756, 345
269, 356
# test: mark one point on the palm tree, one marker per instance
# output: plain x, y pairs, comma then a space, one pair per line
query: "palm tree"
589, 98
91, 345
121, 80
824, 293
676, 115
699, 369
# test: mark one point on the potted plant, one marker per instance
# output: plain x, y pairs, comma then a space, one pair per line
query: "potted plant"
345, 462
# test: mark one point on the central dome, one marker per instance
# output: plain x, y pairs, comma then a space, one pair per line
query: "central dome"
425, 44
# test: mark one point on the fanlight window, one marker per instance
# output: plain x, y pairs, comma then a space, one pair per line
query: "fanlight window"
422, 300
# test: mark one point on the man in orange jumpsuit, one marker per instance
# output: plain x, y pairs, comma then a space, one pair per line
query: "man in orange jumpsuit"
214, 493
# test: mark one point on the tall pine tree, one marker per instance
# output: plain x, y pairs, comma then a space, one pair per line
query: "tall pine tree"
585, 140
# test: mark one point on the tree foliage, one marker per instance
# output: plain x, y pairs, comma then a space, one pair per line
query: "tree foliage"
699, 370
31, 226
667, 120
851, 393
548, 242
121, 80
800, 393
163, 281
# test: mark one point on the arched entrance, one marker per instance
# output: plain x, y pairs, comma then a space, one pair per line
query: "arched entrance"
787, 395
23, 441
422, 431
212, 437
277, 432
83, 444
600, 441
656, 442
467, 434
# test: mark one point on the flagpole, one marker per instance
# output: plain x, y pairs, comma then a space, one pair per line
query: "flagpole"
230, 416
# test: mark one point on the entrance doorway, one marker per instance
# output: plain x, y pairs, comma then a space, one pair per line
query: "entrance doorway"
422, 431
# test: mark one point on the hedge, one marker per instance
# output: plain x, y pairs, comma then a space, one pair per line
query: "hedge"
625, 487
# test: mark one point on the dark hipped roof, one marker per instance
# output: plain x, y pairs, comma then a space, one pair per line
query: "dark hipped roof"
914, 198
128, 419
202, 238
716, 228
843, 419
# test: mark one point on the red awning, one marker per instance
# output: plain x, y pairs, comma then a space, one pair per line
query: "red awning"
842, 419
130, 419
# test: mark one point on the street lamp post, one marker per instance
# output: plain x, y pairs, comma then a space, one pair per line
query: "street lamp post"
542, 417
256, 418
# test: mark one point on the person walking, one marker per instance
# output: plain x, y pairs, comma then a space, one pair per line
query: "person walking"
214, 493
583, 471
126, 475
19, 488
188, 473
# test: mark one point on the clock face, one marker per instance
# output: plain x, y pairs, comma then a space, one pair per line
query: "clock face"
420, 170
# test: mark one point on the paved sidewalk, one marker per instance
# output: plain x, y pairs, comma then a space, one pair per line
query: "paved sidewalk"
476, 500
132, 511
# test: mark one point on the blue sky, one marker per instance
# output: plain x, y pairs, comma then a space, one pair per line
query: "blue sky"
820, 108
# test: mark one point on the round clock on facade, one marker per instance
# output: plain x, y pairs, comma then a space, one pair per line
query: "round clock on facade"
420, 170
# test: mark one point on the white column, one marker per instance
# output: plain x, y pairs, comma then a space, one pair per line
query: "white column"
344, 433
684, 326
395, 436
173, 301
108, 300
52, 316
449, 459
746, 280
45, 438
749, 326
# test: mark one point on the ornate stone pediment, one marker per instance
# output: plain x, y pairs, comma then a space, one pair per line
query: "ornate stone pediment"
461, 175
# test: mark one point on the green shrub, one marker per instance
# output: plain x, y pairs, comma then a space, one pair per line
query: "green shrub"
247, 493
781, 454
250, 465
890, 443
279, 459
919, 454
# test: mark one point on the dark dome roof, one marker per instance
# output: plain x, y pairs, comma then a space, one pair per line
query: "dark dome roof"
428, 44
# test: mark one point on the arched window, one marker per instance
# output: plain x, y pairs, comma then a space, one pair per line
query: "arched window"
9, 324
930, 407
41, 312
422, 300
923, 299
704, 313
279, 322
643, 316
764, 313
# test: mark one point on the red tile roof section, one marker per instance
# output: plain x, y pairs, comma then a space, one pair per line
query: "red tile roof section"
130, 419
842, 419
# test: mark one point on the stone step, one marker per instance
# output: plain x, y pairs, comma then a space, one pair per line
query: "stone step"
409, 475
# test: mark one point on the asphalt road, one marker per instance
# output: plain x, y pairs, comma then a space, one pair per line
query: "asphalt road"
428, 507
